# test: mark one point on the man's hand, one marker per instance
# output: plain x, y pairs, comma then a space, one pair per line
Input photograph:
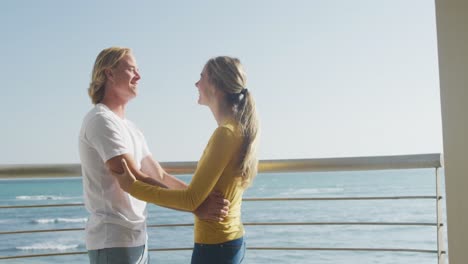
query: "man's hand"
214, 208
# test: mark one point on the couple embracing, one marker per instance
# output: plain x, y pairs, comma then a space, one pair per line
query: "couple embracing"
120, 175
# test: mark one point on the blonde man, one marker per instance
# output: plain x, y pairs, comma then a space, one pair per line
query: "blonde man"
116, 228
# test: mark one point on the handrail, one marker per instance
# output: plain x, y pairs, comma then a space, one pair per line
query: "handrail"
432, 160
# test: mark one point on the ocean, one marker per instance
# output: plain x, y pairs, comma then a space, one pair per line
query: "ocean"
420, 182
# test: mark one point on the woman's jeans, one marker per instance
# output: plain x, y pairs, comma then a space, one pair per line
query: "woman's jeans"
231, 252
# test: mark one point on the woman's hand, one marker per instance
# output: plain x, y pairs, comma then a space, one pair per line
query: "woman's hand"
126, 179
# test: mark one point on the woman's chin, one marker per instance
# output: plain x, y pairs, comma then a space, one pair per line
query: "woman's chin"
199, 101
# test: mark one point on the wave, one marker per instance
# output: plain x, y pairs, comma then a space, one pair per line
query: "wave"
44, 197
48, 246
59, 220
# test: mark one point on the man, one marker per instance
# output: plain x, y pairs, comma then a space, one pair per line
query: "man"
116, 228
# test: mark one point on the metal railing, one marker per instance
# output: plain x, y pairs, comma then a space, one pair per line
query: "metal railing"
265, 166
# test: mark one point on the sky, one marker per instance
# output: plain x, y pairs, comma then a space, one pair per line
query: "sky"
331, 78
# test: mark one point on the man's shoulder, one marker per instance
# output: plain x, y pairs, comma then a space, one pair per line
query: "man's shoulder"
97, 113
98, 118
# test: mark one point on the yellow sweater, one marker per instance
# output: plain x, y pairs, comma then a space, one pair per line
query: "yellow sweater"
217, 170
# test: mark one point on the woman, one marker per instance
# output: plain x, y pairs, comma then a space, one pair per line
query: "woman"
228, 164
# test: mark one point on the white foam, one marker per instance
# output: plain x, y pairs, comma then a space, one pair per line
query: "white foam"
43, 221
48, 246
43, 197
59, 220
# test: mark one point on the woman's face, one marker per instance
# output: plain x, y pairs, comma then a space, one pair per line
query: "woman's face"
206, 89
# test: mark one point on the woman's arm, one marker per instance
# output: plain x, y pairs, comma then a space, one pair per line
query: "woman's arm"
214, 207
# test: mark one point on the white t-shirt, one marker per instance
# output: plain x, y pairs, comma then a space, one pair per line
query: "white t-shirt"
116, 218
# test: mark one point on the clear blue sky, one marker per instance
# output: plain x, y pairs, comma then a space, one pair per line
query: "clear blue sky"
331, 78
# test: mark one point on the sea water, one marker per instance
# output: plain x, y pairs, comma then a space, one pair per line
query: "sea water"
416, 182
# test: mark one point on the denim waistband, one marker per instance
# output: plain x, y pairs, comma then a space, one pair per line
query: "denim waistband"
232, 243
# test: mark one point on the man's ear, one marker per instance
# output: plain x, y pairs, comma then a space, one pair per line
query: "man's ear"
109, 74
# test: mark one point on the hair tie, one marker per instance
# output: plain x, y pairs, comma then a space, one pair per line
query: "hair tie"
244, 91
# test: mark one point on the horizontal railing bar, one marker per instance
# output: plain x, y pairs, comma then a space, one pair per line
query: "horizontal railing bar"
256, 200
40, 170
245, 224
353, 163
348, 249
344, 223
39, 205
417, 161
318, 249
248, 248
314, 223
338, 198
40, 231
44, 255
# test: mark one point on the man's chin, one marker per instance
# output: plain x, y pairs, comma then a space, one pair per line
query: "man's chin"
132, 95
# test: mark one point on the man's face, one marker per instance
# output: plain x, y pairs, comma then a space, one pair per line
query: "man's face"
125, 77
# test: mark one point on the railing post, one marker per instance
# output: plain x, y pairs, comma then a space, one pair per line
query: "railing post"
440, 226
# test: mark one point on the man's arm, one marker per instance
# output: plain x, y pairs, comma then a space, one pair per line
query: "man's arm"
115, 165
